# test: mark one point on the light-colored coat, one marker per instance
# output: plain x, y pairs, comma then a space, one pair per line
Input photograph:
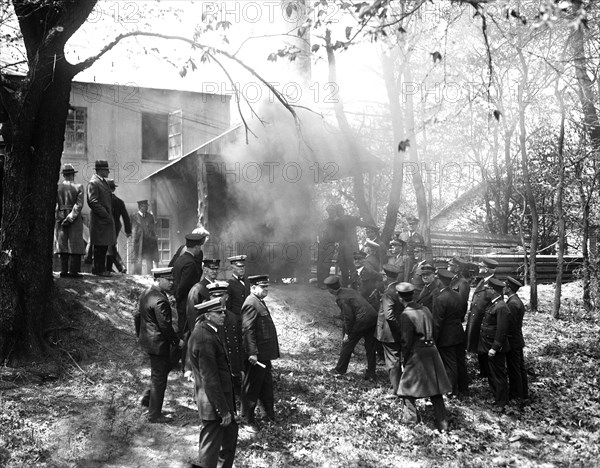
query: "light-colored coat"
69, 203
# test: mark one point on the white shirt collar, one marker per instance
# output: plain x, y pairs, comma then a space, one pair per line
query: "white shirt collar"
212, 326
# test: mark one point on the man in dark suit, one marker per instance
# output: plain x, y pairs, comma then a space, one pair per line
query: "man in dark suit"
424, 374
185, 274
431, 287
261, 346
515, 362
482, 296
359, 321
119, 211
214, 390
449, 335
69, 224
494, 343
388, 325
154, 330
237, 292
460, 283
145, 241
102, 224
199, 293
366, 281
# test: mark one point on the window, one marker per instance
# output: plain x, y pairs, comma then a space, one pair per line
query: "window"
163, 234
175, 134
155, 136
76, 131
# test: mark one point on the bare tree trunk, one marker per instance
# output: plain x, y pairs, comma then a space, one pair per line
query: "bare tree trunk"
560, 214
358, 178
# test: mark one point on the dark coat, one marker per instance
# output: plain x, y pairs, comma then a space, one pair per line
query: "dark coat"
515, 329
463, 288
388, 319
447, 313
482, 296
494, 328
119, 211
69, 203
153, 323
185, 275
237, 294
145, 243
212, 375
369, 284
429, 294
102, 223
424, 373
258, 330
357, 314
197, 295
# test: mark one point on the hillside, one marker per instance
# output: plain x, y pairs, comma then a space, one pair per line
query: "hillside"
83, 411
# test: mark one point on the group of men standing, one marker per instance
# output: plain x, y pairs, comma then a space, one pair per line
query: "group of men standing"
419, 325
224, 335
106, 212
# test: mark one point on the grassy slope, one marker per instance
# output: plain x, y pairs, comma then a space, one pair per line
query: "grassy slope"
89, 416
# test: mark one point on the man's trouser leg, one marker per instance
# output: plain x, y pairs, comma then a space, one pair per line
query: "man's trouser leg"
251, 388
74, 264
371, 349
159, 372
461, 368
266, 394
391, 353
346, 353
439, 412
100, 258
513, 366
410, 415
498, 379
482, 360
217, 444
64, 264
448, 355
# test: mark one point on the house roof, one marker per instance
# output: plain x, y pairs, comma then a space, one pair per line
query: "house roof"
323, 143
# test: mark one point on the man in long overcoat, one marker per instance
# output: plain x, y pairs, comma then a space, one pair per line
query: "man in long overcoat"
145, 241
515, 361
214, 390
388, 325
102, 224
237, 292
261, 346
449, 335
119, 212
154, 330
424, 374
359, 321
461, 282
431, 287
482, 296
69, 224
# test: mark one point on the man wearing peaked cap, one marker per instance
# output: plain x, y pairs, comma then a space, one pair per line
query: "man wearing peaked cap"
68, 229
372, 249
145, 241
199, 291
388, 326
261, 346
515, 360
396, 255
448, 333
493, 342
102, 224
431, 287
481, 299
213, 387
154, 329
460, 283
366, 281
359, 321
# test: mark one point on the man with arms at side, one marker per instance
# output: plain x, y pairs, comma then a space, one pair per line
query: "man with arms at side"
119, 211
199, 292
366, 281
515, 361
154, 329
214, 390
145, 242
431, 287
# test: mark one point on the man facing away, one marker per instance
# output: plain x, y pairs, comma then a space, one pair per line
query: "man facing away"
69, 224
214, 389
119, 212
145, 242
102, 224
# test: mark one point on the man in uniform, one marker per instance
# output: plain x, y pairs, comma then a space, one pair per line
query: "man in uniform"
261, 346
388, 325
515, 362
366, 281
449, 335
145, 242
424, 374
214, 391
359, 321
415, 245
460, 283
237, 292
102, 224
431, 287
481, 298
199, 292
396, 254
185, 274
154, 330
69, 224
372, 260
494, 343
119, 211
